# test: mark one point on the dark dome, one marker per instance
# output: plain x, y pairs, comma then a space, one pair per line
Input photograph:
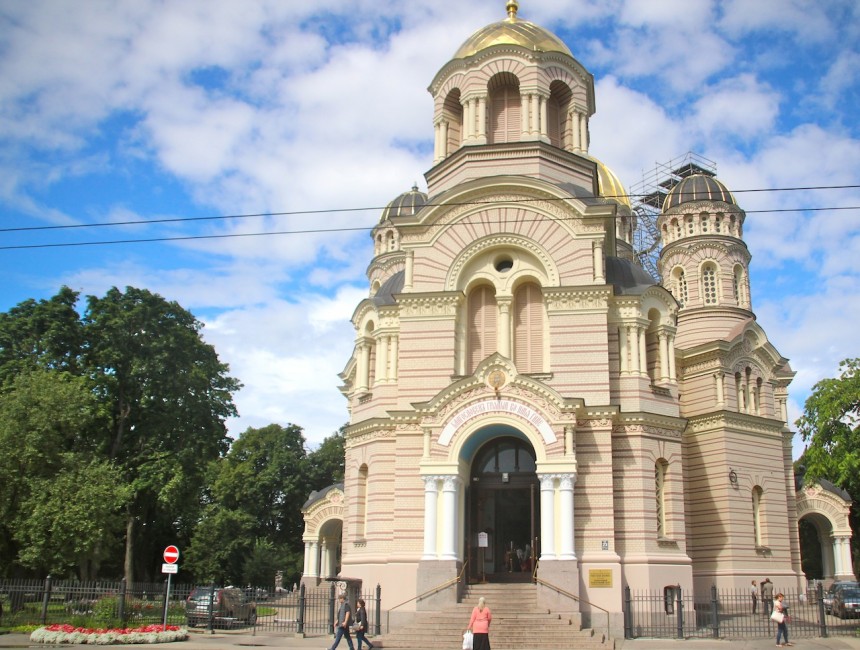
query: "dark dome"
394, 284
698, 187
405, 205
627, 277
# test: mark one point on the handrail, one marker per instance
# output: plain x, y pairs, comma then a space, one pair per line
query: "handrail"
576, 598
432, 590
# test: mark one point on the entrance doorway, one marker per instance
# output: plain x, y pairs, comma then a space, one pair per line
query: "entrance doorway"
503, 514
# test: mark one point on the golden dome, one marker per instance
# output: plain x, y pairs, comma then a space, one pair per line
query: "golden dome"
512, 31
609, 185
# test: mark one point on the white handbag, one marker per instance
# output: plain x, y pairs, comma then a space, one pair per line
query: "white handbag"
467, 641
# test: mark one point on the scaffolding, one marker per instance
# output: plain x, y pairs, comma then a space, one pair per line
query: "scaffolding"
647, 198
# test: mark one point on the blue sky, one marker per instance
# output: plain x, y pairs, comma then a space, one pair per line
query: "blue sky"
114, 112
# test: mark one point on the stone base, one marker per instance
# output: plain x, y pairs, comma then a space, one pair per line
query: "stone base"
437, 584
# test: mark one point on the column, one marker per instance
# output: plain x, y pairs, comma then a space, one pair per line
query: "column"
395, 340
482, 120
450, 485
534, 127
437, 142
575, 133
672, 375
443, 135
569, 432
597, 252
504, 326
363, 370
544, 131
409, 271
643, 352
719, 380
844, 545
467, 121
583, 133
567, 551
633, 341
524, 116
315, 560
324, 560
381, 360
547, 517
664, 356
622, 349
306, 568
431, 496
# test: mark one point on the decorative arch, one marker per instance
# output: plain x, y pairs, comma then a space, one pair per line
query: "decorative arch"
323, 514
827, 508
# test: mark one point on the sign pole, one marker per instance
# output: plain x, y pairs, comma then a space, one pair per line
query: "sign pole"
171, 555
167, 600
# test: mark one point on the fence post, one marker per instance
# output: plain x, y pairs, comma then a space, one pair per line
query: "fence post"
679, 608
331, 608
378, 627
822, 617
300, 619
46, 598
121, 604
628, 614
715, 611
211, 625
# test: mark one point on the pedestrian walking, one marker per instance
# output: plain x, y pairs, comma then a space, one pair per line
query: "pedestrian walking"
361, 624
780, 615
341, 625
754, 594
479, 626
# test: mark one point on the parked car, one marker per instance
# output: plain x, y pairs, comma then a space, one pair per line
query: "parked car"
229, 605
846, 602
831, 591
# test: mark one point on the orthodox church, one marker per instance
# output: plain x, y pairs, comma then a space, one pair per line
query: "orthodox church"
526, 402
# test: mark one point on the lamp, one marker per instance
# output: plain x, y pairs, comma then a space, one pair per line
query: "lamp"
733, 477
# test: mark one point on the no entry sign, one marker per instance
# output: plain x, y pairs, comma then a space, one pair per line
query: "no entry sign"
171, 554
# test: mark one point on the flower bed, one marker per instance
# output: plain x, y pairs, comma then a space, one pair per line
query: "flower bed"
56, 634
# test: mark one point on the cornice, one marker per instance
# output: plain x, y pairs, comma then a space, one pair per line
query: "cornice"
584, 298
739, 422
437, 304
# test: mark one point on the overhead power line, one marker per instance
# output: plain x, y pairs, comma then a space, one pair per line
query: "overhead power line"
341, 229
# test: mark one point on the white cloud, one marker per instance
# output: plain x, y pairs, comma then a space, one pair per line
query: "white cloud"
740, 107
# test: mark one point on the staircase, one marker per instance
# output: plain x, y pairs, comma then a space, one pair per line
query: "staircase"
518, 623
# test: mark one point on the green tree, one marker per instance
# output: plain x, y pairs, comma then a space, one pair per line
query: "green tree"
48, 473
168, 396
830, 425
325, 463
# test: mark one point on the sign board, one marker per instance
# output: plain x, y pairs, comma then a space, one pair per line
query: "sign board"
171, 554
482, 540
169, 568
600, 578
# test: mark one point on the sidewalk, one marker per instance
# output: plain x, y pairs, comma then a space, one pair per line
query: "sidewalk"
226, 641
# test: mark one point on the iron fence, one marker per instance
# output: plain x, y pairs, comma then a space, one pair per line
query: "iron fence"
116, 604
726, 614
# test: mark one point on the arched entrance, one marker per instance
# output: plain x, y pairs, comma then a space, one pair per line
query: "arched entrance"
502, 510
824, 509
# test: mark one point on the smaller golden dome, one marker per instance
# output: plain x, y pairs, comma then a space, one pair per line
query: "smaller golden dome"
512, 31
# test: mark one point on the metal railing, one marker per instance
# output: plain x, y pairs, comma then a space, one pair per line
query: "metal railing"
726, 614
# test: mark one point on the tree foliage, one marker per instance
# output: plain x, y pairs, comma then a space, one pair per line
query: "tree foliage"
831, 427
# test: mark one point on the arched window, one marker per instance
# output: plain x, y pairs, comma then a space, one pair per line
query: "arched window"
528, 328
661, 469
757, 495
703, 222
679, 286
371, 355
482, 317
709, 284
679, 229
505, 109
452, 113
739, 282
652, 346
556, 113
739, 390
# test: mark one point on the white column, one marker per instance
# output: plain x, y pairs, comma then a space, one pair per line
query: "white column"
633, 342
315, 560
567, 551
381, 360
622, 349
482, 120
664, 356
306, 568
324, 560
363, 370
547, 517
672, 374
504, 326
575, 132
437, 142
845, 555
443, 149
719, 380
524, 116
431, 495
410, 269
534, 127
467, 121
583, 132
544, 131
597, 252
395, 340
643, 352
450, 485
569, 432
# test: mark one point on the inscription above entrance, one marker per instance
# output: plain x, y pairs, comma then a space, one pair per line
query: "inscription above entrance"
497, 406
